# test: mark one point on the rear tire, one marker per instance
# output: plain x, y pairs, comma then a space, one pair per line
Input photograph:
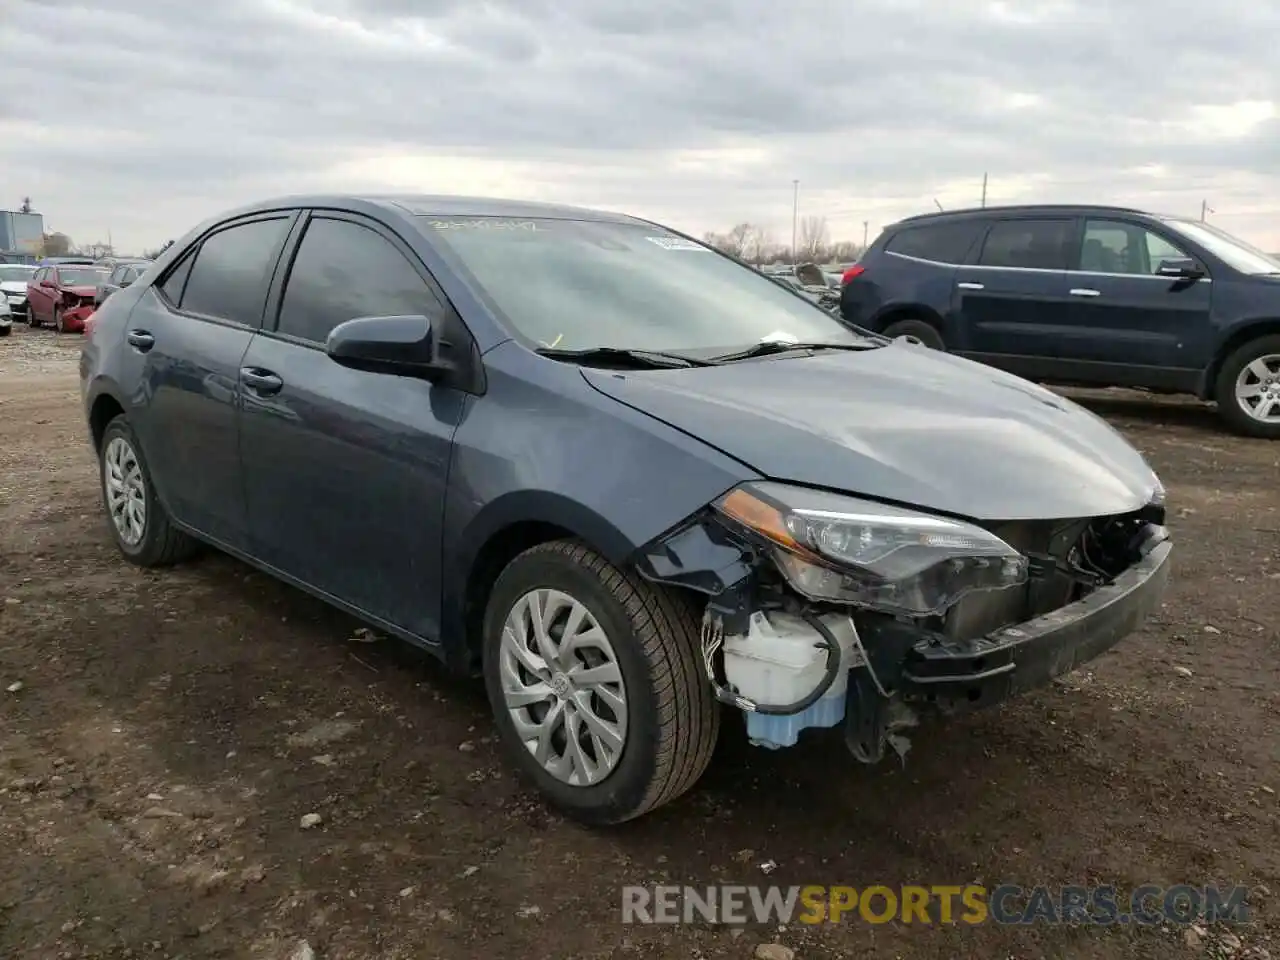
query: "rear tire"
5, 330
147, 537
1248, 367
922, 330
57, 320
650, 636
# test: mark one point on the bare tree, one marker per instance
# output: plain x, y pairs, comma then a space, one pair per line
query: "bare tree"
97, 250
757, 245
56, 244
153, 254
814, 237
845, 251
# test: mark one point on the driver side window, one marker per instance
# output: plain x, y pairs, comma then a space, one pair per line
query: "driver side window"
344, 270
1114, 246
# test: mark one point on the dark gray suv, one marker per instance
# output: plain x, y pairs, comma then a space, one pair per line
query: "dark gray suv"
632, 482
1085, 295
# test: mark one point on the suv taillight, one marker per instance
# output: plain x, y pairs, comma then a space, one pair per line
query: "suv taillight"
856, 270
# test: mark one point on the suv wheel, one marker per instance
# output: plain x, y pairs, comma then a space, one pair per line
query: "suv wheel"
138, 522
922, 330
595, 682
1248, 388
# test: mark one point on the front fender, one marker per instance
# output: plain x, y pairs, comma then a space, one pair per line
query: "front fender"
544, 447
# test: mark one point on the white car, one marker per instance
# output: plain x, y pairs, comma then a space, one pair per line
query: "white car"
6, 318
13, 286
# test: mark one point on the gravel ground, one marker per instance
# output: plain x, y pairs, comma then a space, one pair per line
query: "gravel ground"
166, 733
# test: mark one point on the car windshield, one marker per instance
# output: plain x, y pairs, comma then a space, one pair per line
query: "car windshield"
10, 272
1234, 252
80, 276
578, 285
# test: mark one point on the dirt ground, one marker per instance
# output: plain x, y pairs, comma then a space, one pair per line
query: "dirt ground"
164, 733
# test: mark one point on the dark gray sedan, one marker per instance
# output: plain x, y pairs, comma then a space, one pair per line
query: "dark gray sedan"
629, 480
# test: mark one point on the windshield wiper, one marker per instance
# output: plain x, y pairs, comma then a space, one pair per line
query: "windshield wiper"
648, 358
768, 347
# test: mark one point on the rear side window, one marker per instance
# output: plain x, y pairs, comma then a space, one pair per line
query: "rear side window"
1028, 244
940, 242
229, 278
344, 270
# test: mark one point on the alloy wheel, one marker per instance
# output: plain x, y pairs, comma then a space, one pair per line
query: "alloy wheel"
1258, 389
126, 491
563, 687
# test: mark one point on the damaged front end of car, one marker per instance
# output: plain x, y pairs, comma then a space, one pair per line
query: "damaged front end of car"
825, 609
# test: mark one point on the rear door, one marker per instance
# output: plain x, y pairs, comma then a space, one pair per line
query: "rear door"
1130, 324
1013, 300
345, 470
915, 272
187, 337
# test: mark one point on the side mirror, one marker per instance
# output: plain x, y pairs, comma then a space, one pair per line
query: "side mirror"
1181, 268
404, 346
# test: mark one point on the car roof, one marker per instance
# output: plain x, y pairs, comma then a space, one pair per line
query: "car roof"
1024, 209
444, 205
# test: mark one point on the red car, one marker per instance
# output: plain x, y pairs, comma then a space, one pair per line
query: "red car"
55, 292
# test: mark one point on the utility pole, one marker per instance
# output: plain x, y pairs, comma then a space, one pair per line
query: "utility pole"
1204, 209
795, 209
865, 224
984, 189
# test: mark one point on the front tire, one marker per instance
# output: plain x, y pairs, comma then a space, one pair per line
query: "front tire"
138, 522
1248, 389
596, 685
57, 321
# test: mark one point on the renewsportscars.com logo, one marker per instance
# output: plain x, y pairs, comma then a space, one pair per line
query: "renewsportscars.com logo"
970, 904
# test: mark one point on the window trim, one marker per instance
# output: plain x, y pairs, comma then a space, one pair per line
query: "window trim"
291, 216
280, 281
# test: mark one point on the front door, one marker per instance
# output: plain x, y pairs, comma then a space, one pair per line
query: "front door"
345, 470
39, 299
1013, 302
188, 334
1131, 324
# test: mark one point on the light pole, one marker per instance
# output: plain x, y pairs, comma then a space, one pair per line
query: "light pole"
795, 207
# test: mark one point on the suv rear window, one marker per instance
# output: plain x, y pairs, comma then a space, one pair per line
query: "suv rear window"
940, 242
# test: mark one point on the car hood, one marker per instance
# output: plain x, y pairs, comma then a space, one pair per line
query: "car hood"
13, 286
901, 423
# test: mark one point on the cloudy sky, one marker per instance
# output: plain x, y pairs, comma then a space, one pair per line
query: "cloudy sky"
139, 118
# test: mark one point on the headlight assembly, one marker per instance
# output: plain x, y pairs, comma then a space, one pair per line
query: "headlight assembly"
841, 549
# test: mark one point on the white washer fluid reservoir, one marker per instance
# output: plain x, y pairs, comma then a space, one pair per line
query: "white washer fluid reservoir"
781, 660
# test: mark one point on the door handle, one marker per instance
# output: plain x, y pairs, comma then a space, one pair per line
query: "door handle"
140, 340
263, 382
967, 285
1085, 292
